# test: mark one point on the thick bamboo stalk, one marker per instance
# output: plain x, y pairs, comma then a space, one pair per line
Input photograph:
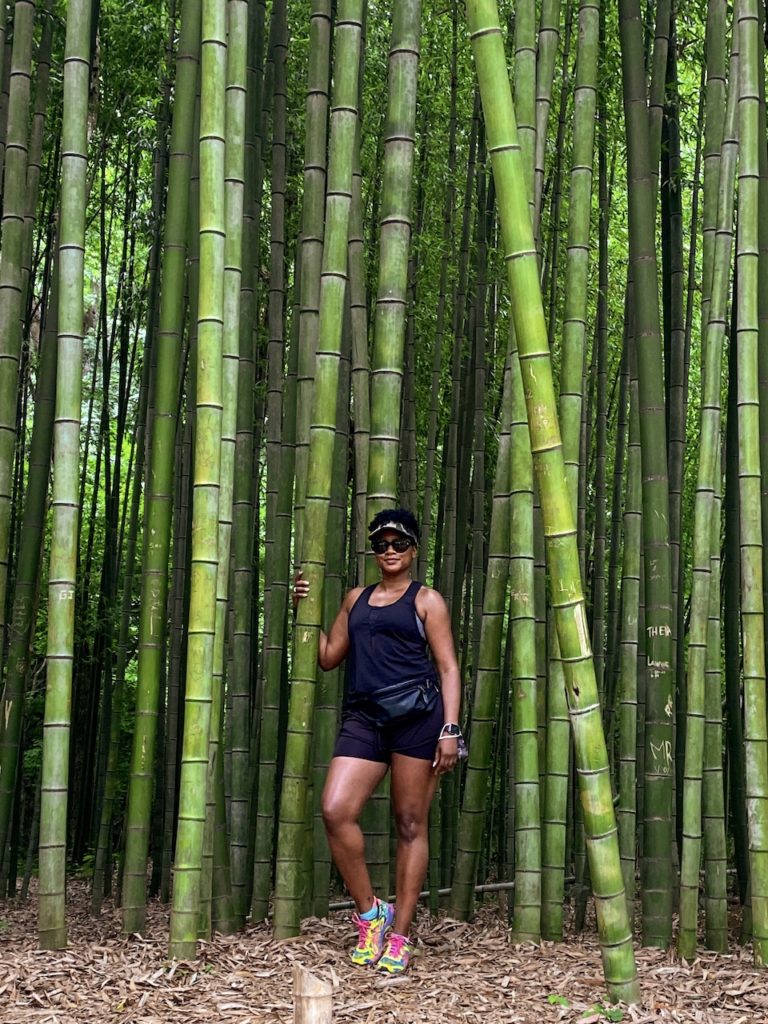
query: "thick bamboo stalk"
657, 835
52, 926
206, 489
312, 229
361, 366
12, 303
437, 351
568, 601
483, 707
244, 647
752, 612
158, 504
389, 319
627, 684
526, 916
290, 883
276, 527
546, 58
706, 489
713, 792
28, 567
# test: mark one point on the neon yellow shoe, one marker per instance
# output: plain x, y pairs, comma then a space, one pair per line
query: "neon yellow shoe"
371, 934
396, 955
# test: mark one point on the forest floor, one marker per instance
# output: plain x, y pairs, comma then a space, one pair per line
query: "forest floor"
465, 973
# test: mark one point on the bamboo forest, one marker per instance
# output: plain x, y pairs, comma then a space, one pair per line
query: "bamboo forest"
270, 267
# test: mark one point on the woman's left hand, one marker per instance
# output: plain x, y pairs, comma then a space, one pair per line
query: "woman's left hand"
446, 755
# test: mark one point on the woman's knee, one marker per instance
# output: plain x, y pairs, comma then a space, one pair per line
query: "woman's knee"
410, 826
335, 814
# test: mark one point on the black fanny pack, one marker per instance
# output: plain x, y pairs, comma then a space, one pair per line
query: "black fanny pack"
394, 703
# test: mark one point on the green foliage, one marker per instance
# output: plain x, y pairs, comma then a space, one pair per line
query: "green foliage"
599, 1012
555, 999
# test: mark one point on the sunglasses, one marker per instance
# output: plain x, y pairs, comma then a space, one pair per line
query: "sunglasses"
399, 544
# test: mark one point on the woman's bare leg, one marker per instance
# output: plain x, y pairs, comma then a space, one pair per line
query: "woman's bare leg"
413, 786
348, 787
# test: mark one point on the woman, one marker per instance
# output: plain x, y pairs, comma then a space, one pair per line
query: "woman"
395, 716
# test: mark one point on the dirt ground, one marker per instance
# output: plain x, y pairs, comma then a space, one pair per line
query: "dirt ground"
464, 973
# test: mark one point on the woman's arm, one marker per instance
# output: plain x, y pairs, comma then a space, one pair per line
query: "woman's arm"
437, 626
333, 646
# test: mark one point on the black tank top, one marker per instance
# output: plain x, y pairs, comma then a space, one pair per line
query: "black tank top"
387, 644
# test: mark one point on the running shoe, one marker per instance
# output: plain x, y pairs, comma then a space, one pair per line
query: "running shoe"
371, 934
397, 954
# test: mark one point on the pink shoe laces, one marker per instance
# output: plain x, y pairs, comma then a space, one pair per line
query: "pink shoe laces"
363, 927
395, 945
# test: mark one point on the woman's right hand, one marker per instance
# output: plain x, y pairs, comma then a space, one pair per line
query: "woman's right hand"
300, 588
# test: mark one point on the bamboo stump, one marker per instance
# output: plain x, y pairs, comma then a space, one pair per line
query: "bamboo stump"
312, 998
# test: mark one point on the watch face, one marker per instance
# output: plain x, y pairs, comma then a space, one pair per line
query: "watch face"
452, 730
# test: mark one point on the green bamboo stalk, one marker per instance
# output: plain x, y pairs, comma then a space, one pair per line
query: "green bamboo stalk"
52, 928
568, 601
612, 618
311, 241
159, 486
330, 684
450, 469
449, 203
293, 800
525, 88
521, 665
732, 632
713, 793
34, 156
102, 868
600, 360
752, 613
526, 919
658, 77
179, 601
571, 375
715, 109
408, 469
12, 303
550, 277
276, 301
234, 183
483, 706
479, 345
361, 368
277, 528
659, 765
240, 669
704, 526
626, 809
28, 567
31, 522
206, 488
762, 301
577, 260
675, 376
389, 320
389, 315
546, 58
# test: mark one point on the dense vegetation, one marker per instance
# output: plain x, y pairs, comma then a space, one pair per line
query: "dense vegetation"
269, 268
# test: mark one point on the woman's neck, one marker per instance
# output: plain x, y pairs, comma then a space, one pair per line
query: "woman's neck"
399, 582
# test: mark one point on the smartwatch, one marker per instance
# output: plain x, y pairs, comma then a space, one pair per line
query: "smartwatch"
450, 731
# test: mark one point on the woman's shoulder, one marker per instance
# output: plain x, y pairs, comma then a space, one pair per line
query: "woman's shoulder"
427, 598
351, 597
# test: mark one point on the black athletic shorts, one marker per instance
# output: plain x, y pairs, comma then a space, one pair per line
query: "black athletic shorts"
415, 737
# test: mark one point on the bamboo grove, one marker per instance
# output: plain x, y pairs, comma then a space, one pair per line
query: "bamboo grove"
268, 268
